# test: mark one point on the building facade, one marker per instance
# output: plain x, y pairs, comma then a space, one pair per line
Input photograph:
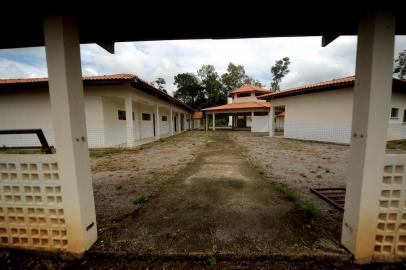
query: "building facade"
244, 110
323, 111
121, 110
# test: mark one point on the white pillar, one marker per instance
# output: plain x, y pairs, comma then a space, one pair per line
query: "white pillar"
372, 94
272, 121
171, 121
69, 124
214, 121
178, 121
140, 120
129, 120
157, 121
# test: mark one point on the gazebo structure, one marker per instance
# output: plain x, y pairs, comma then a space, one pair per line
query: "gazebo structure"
47, 200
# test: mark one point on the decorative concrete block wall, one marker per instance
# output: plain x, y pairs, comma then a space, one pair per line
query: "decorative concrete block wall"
390, 241
31, 203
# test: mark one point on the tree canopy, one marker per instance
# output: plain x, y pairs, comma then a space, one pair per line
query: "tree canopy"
207, 88
400, 65
159, 83
279, 70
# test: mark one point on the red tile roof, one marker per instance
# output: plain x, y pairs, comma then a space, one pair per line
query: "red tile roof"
113, 77
239, 105
346, 81
123, 77
248, 89
198, 115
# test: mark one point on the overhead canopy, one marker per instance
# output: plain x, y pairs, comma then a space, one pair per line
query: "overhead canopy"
22, 26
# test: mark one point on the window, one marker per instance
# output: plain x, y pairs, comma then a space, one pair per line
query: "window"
146, 116
164, 118
121, 115
394, 113
404, 117
244, 95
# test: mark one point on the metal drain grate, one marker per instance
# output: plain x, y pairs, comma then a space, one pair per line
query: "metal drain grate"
334, 196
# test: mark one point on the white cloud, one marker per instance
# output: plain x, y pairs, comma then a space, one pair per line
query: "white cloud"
149, 60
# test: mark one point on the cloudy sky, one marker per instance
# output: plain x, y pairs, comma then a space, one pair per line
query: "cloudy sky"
149, 60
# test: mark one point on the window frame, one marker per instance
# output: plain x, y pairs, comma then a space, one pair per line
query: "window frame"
121, 115
144, 118
164, 118
397, 113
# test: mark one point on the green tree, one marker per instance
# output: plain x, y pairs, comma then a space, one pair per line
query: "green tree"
212, 85
236, 77
159, 83
400, 65
279, 70
189, 90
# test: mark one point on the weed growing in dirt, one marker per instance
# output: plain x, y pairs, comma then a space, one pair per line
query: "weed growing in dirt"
307, 208
98, 153
211, 261
162, 140
303, 175
141, 200
119, 187
288, 192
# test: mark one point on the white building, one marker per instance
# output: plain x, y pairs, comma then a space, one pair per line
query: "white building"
121, 110
323, 111
244, 109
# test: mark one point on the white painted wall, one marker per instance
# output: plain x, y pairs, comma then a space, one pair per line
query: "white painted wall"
326, 116
250, 98
260, 123
30, 108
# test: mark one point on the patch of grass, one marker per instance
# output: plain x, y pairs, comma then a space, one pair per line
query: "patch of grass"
119, 187
99, 153
261, 172
307, 208
327, 170
141, 200
162, 140
20, 151
211, 261
313, 171
303, 175
319, 176
288, 192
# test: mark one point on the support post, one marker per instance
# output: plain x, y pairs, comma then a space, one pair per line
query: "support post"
171, 121
129, 120
69, 124
178, 121
157, 120
214, 121
206, 122
272, 121
140, 120
372, 94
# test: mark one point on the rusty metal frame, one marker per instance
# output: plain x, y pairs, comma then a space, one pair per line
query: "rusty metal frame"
325, 194
45, 147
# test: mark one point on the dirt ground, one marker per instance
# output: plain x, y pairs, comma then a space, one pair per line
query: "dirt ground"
301, 165
209, 200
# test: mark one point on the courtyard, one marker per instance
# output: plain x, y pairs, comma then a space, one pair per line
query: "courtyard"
214, 198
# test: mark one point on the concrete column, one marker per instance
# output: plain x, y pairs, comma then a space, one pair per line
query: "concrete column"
140, 120
372, 93
206, 122
178, 121
129, 120
171, 121
214, 121
157, 121
272, 121
69, 124
252, 119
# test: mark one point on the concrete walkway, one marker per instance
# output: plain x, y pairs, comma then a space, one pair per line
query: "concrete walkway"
221, 205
